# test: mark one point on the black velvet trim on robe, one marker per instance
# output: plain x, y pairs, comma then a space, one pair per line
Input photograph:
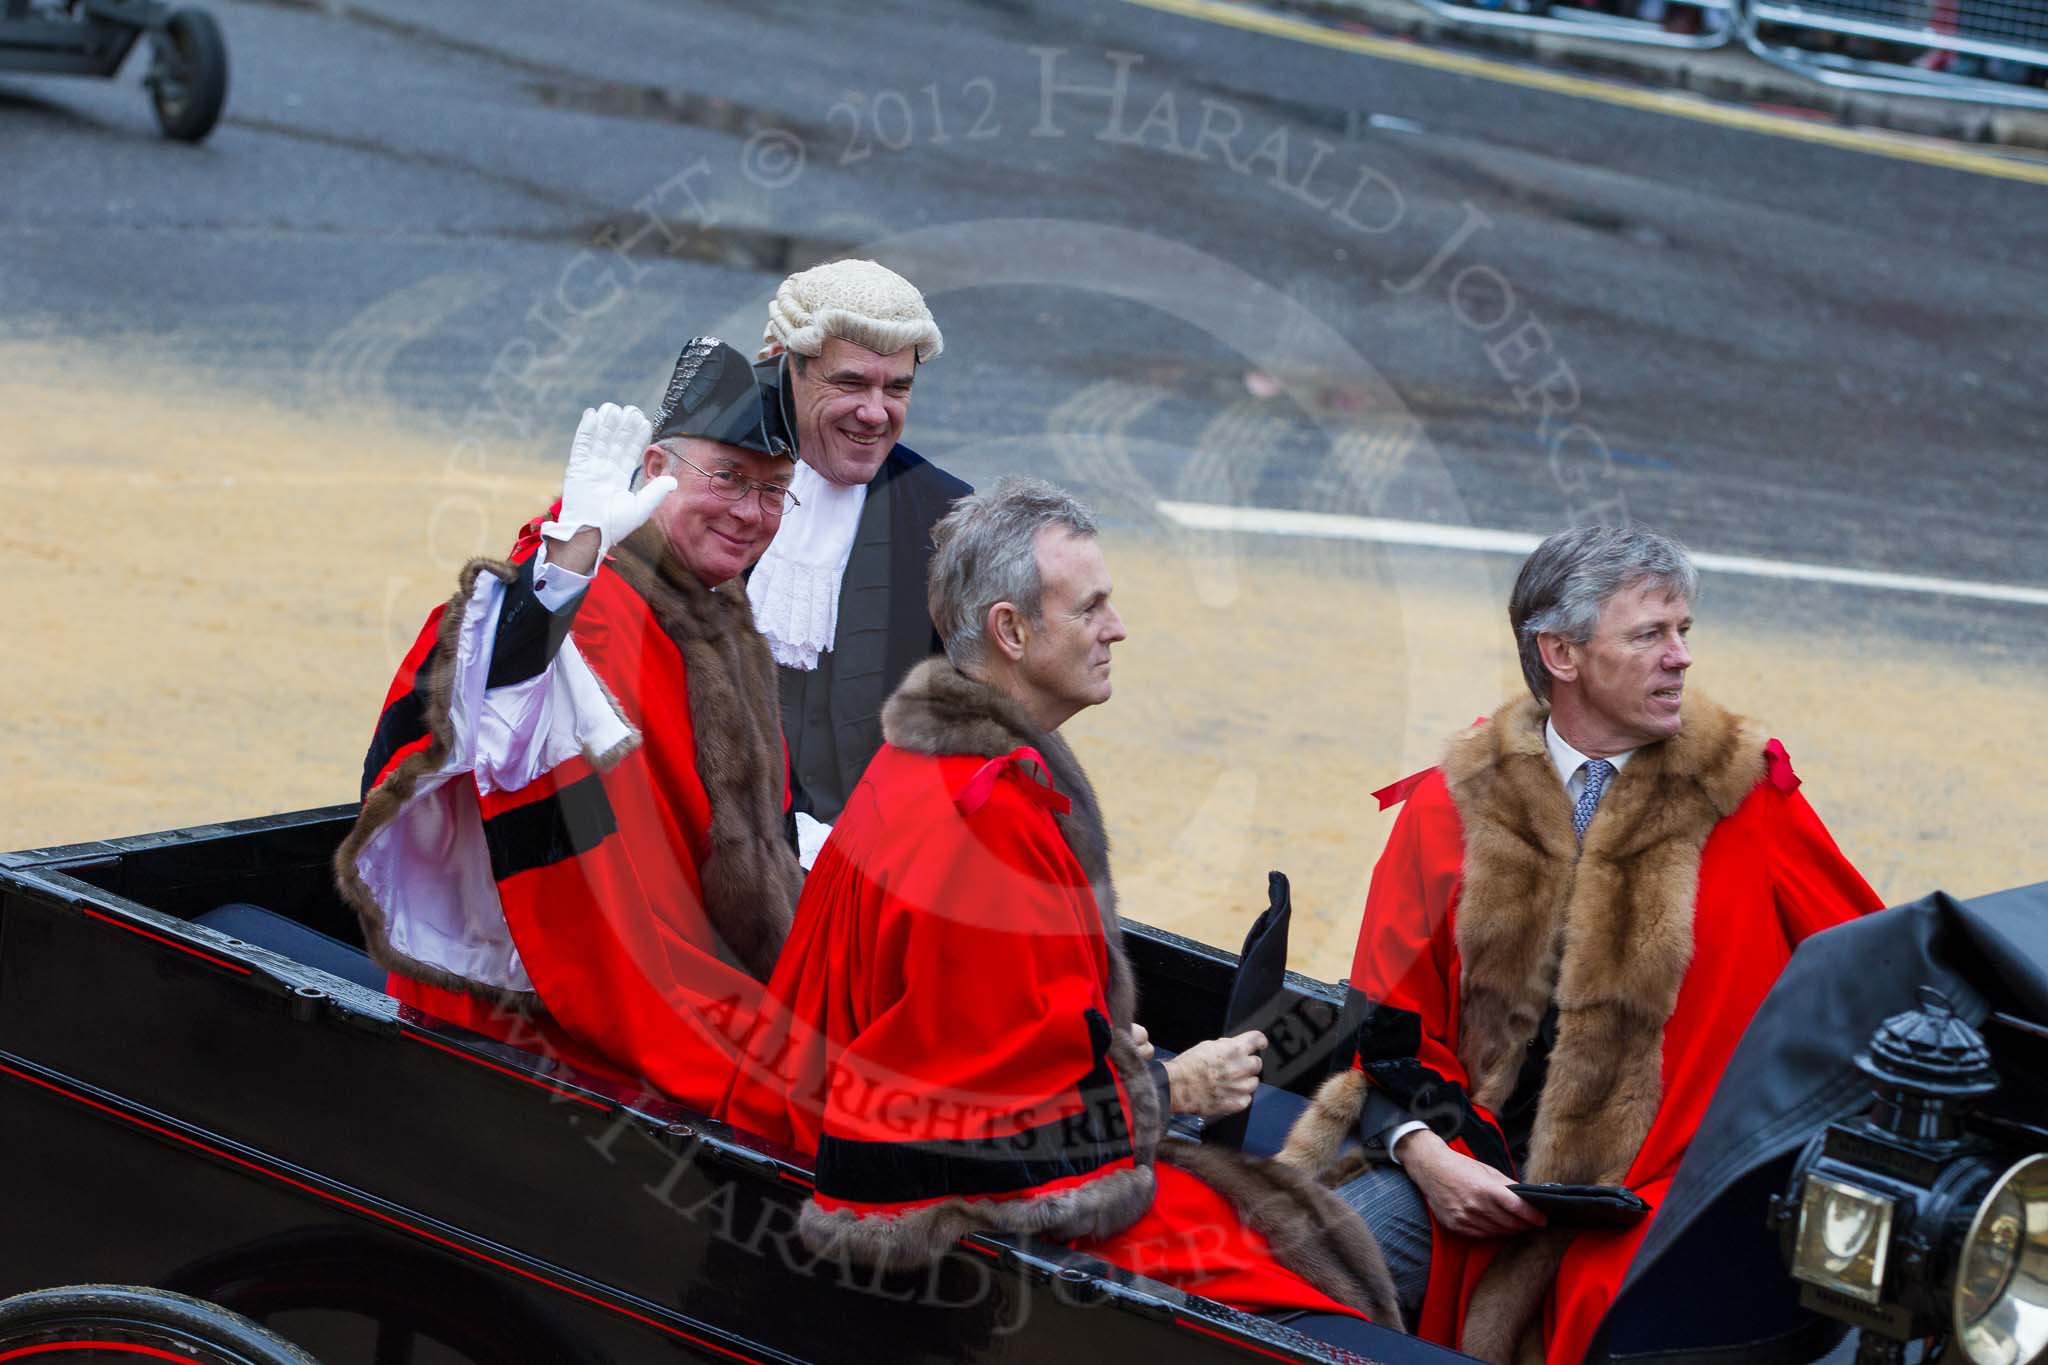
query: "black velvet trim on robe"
1097, 1134
1388, 1040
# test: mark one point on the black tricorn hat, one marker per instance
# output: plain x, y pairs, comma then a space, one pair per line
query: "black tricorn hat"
714, 396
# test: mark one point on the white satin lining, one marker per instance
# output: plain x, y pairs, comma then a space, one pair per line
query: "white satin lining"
429, 867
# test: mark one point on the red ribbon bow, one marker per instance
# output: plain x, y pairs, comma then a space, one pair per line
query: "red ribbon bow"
529, 534
1394, 793
1778, 768
1038, 785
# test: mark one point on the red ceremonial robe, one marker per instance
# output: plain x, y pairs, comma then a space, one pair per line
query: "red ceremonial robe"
1700, 873
571, 837
947, 1032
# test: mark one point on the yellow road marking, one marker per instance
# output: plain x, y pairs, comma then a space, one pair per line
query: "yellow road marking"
1654, 101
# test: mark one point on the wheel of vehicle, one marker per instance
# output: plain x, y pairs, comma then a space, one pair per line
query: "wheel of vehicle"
343, 1289
188, 77
112, 1324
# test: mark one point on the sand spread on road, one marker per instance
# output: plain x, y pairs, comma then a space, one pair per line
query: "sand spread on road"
210, 590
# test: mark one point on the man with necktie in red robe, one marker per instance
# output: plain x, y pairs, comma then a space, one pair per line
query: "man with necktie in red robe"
1573, 920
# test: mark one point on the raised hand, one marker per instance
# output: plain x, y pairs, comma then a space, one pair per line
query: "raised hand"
597, 487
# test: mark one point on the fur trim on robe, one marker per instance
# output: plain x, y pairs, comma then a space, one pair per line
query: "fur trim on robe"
749, 874
1604, 930
384, 801
1311, 1232
1102, 1207
750, 877
1315, 1142
938, 710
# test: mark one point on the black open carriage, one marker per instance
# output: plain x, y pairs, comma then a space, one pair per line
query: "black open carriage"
187, 1107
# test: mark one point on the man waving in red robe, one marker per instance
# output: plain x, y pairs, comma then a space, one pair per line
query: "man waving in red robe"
950, 1028
1575, 917
572, 827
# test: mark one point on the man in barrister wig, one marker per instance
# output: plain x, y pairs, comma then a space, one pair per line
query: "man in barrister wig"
573, 822
1575, 917
950, 1029
841, 593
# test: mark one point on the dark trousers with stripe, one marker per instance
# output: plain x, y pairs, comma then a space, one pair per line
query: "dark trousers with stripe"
1384, 1197
1398, 1215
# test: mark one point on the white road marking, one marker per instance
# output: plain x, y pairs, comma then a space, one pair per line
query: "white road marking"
1270, 521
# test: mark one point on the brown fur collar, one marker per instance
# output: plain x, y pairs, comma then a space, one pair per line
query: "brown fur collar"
1605, 930
1148, 1115
384, 802
1311, 1231
750, 876
1315, 1141
940, 710
1100, 1208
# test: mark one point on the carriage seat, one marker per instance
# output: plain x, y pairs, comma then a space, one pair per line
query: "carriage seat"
268, 929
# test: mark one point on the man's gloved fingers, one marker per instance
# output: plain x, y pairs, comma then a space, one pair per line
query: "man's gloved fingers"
626, 427
627, 420
586, 435
639, 426
649, 497
620, 437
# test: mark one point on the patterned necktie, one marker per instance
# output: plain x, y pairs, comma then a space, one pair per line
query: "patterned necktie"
1597, 770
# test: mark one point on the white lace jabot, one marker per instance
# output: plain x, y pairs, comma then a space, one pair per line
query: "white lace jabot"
795, 587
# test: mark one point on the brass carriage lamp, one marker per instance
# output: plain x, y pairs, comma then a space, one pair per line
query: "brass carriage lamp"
1906, 1224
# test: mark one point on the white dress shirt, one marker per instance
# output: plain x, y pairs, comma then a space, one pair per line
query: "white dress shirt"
1571, 764
555, 586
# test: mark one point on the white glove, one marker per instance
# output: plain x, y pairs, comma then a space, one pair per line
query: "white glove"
597, 485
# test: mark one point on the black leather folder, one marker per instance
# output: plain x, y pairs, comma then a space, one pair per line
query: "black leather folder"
1261, 972
1586, 1206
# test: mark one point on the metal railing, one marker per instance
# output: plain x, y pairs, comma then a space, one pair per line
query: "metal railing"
1987, 51
1691, 23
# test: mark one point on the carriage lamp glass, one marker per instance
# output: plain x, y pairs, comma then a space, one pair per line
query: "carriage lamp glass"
2001, 1295
1844, 1231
